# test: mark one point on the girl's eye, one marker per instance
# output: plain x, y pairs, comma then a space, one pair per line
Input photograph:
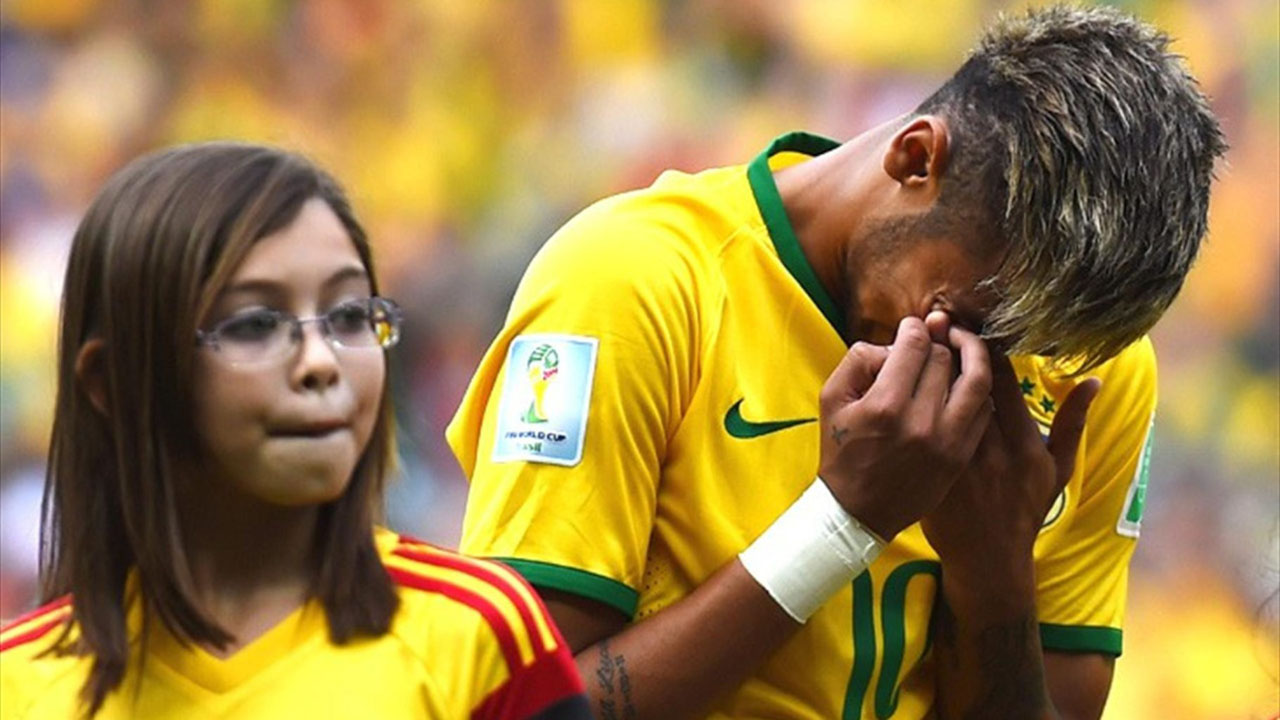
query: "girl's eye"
350, 318
250, 327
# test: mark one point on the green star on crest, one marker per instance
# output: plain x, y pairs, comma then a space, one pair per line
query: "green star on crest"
1047, 403
1027, 386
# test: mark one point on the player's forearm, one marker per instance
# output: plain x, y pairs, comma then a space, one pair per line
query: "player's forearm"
987, 646
674, 664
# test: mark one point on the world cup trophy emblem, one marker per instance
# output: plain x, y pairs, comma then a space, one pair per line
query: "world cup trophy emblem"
542, 366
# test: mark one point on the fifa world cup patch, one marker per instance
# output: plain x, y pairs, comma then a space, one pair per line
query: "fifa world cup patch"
546, 395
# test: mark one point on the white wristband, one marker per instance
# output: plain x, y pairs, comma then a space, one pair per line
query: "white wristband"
810, 552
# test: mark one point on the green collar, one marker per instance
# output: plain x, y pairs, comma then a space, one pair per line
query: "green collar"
760, 176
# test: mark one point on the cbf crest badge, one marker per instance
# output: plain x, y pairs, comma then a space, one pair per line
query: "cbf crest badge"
546, 396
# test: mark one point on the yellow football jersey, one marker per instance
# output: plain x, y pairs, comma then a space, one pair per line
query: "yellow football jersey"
650, 408
470, 640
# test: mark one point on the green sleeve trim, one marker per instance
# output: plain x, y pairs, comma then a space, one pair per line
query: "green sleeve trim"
760, 177
579, 582
1081, 638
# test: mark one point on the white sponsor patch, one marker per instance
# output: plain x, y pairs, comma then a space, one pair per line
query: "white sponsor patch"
546, 395
1130, 522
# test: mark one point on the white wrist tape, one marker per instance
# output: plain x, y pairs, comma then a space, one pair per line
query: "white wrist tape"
810, 552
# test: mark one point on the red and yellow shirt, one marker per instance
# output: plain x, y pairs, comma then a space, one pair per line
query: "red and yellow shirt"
470, 640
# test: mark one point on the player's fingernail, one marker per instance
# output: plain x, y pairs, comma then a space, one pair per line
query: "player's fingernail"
938, 323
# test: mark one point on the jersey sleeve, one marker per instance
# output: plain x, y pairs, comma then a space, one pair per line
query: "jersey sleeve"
1082, 559
489, 648
563, 459
547, 686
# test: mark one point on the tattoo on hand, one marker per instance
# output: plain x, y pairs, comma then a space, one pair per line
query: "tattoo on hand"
613, 667
838, 434
1012, 686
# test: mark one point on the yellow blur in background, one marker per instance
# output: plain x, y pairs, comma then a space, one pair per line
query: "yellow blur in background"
468, 130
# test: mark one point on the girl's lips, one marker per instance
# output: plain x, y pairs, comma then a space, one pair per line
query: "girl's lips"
312, 429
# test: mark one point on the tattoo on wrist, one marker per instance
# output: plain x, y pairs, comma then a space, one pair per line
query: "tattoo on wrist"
1010, 680
615, 686
1015, 677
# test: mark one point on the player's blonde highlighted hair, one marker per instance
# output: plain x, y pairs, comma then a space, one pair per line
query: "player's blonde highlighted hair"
1083, 152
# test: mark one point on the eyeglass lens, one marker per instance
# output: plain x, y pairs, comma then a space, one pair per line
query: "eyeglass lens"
268, 334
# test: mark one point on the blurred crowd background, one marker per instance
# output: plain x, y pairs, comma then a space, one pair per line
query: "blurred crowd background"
468, 130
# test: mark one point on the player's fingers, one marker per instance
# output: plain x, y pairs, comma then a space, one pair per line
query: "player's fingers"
970, 398
854, 375
897, 380
938, 323
867, 361
1068, 428
931, 393
1011, 411
988, 440
982, 426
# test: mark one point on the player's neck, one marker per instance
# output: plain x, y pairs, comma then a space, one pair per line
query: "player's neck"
828, 200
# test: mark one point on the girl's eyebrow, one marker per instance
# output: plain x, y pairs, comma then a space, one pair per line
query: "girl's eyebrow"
265, 286
350, 272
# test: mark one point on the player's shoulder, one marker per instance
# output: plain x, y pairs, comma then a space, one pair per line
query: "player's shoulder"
451, 599
689, 203
1133, 368
1128, 379
1139, 357
1137, 361
1127, 395
676, 224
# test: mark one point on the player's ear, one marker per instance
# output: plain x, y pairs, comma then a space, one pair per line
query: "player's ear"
91, 373
917, 154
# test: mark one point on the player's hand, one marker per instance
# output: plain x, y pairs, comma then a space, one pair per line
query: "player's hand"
896, 427
996, 507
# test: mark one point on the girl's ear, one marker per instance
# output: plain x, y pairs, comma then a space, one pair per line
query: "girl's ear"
91, 373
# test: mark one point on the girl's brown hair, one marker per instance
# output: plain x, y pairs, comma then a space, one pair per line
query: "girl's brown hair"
150, 256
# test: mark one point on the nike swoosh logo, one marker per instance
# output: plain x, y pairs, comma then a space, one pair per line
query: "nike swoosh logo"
744, 429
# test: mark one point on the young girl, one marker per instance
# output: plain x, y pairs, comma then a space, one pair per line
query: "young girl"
221, 435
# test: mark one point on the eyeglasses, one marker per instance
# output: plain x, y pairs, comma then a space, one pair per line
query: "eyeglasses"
263, 335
